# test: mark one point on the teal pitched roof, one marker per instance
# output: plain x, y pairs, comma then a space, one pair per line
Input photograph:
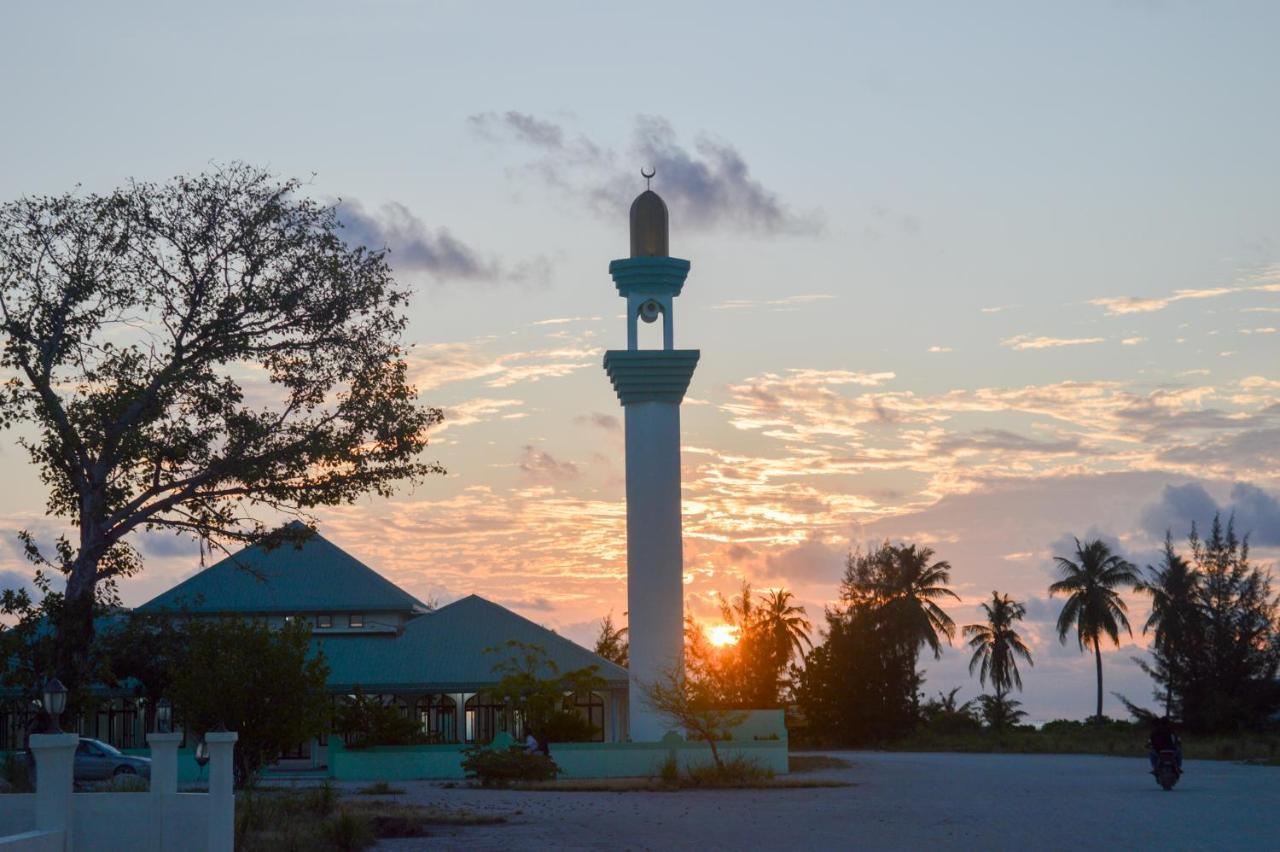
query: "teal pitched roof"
314, 576
445, 651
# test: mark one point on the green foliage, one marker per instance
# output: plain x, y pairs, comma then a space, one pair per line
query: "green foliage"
534, 685
1093, 608
15, 771
253, 680
693, 706
770, 629
861, 685
500, 767
669, 771
944, 716
996, 645
612, 642
132, 324
734, 771
999, 712
379, 788
348, 831
364, 721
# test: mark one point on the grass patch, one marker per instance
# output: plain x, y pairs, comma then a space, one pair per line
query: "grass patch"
317, 818
380, 788
815, 762
735, 773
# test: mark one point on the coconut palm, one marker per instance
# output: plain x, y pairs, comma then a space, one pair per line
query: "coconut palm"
1093, 607
911, 589
784, 623
996, 645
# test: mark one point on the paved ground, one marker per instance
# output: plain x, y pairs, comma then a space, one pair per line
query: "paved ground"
901, 801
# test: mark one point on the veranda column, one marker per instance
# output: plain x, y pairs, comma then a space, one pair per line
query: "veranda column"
651, 384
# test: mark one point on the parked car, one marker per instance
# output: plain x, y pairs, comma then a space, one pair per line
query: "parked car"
97, 761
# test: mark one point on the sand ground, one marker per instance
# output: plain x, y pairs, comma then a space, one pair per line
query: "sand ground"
900, 801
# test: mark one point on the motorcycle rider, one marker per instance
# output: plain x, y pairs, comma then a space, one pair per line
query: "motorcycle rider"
1163, 737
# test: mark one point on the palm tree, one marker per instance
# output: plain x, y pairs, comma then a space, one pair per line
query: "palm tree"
996, 645
1093, 607
910, 592
784, 623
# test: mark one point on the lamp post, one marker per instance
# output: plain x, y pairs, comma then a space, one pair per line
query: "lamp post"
164, 716
55, 701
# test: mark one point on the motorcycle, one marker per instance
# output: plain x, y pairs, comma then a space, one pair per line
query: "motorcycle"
1167, 772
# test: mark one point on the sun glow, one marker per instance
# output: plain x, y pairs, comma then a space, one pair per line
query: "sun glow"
721, 635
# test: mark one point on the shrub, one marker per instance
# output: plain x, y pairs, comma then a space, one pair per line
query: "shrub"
379, 788
499, 767
15, 771
365, 721
670, 772
348, 831
320, 800
732, 771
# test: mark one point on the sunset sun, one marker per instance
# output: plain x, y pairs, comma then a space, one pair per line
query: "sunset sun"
722, 635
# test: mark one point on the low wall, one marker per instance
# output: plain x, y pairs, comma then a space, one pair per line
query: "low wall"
17, 813
763, 742
394, 763
34, 841
139, 822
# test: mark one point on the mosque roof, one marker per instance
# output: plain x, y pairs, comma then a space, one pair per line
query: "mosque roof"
448, 650
312, 576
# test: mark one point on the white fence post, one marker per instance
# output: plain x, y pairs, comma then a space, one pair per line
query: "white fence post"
164, 762
55, 756
222, 797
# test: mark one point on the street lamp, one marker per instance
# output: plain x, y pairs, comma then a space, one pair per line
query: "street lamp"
55, 701
164, 716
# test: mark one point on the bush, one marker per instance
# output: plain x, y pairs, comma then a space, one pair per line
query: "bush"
348, 831
734, 771
365, 721
498, 767
16, 774
379, 788
670, 772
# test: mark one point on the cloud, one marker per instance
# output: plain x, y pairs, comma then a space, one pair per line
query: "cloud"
939, 349
710, 183
1256, 512
414, 247
541, 466
1026, 341
1132, 341
607, 422
1265, 280
785, 303
440, 364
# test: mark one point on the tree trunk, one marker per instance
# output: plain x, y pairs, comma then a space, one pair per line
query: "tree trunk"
75, 626
1097, 652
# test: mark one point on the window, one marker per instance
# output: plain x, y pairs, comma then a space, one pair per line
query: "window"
355, 620
590, 707
324, 621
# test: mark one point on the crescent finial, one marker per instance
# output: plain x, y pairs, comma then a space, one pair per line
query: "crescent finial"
648, 175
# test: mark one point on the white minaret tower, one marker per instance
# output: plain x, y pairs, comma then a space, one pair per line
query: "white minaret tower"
651, 385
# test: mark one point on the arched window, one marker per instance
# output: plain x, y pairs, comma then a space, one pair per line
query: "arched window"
485, 716
590, 706
438, 715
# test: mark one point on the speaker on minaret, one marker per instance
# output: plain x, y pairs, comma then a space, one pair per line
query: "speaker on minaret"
651, 384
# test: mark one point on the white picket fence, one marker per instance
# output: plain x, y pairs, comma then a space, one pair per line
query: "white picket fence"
57, 819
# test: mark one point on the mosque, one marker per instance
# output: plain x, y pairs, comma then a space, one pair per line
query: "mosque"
432, 663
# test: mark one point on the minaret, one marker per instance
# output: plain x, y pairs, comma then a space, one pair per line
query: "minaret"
651, 384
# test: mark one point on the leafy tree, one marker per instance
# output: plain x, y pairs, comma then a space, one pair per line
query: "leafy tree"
1177, 622
259, 682
612, 642
785, 633
364, 721
1093, 607
189, 354
533, 684
1233, 680
861, 684
996, 645
692, 706
945, 714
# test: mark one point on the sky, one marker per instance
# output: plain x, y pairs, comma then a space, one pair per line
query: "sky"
978, 276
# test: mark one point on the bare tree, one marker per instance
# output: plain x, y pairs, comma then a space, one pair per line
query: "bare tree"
691, 705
